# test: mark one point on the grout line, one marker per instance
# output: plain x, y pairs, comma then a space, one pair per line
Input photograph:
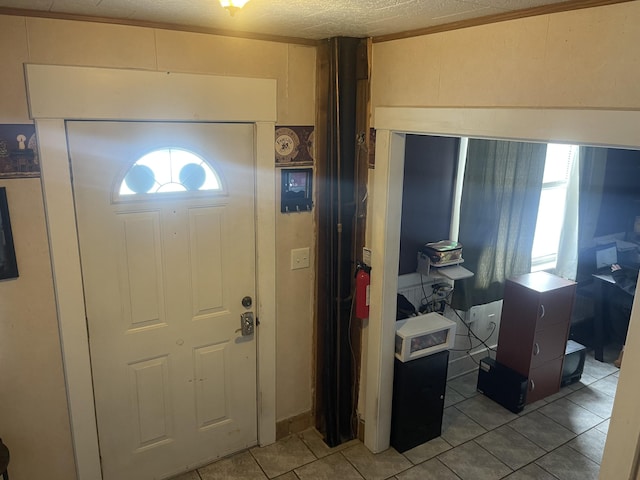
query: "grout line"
546, 452
257, 462
452, 447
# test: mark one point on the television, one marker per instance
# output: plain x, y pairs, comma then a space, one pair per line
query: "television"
574, 357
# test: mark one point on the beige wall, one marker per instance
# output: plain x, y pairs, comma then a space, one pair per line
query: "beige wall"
583, 58
33, 417
33, 405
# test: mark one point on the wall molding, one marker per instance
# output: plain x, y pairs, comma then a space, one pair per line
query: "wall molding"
22, 12
497, 18
616, 128
57, 93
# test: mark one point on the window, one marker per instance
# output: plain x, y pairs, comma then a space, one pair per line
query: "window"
553, 205
169, 170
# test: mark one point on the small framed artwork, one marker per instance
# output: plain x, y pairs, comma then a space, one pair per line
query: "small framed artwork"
294, 146
18, 151
8, 264
297, 190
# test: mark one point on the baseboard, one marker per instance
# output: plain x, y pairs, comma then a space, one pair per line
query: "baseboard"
295, 424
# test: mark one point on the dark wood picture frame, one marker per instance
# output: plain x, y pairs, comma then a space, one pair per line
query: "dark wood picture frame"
8, 263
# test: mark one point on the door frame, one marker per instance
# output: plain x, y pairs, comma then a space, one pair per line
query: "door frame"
60, 93
596, 127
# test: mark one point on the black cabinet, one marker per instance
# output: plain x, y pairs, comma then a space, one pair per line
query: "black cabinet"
418, 400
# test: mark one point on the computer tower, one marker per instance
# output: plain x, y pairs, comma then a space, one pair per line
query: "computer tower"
574, 357
502, 385
418, 400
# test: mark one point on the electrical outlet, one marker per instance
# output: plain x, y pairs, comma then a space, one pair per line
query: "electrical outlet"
491, 322
471, 317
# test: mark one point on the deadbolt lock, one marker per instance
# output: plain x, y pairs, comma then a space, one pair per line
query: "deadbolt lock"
246, 324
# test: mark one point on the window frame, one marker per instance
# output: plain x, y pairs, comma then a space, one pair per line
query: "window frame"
118, 197
549, 261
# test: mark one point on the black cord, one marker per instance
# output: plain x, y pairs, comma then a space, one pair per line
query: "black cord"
425, 298
467, 350
470, 333
440, 304
434, 302
470, 330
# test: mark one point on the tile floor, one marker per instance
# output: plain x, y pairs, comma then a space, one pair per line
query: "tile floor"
561, 437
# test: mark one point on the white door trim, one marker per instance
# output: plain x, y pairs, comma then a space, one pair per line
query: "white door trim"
620, 128
59, 93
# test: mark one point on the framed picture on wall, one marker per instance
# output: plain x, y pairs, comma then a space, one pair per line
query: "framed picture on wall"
294, 145
8, 264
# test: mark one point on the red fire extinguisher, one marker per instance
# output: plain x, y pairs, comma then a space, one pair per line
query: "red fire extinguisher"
362, 290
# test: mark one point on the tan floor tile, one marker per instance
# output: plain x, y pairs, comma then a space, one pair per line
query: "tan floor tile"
240, 466
329, 468
432, 470
376, 466
457, 428
472, 462
567, 464
187, 476
427, 450
283, 456
313, 439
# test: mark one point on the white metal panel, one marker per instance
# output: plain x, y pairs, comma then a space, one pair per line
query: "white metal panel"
170, 244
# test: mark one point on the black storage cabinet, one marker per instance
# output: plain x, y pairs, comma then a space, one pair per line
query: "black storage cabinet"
418, 400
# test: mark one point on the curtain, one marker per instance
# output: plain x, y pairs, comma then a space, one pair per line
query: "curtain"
567, 260
593, 164
500, 198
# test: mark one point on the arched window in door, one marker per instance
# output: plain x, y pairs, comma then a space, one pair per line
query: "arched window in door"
169, 170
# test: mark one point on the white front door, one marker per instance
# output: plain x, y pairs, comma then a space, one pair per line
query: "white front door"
164, 276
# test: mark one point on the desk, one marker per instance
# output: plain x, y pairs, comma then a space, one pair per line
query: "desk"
603, 290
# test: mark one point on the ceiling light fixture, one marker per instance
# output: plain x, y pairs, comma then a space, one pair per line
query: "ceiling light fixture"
233, 5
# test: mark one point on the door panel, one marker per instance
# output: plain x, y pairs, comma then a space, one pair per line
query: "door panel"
150, 391
164, 276
141, 277
206, 226
212, 385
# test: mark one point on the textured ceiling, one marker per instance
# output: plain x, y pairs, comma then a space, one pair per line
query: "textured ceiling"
310, 19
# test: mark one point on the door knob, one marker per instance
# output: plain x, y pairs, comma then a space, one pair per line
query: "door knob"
247, 302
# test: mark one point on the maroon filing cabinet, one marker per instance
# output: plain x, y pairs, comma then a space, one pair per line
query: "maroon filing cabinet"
534, 326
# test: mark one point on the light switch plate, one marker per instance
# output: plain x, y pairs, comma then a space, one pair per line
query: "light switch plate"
366, 256
299, 258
